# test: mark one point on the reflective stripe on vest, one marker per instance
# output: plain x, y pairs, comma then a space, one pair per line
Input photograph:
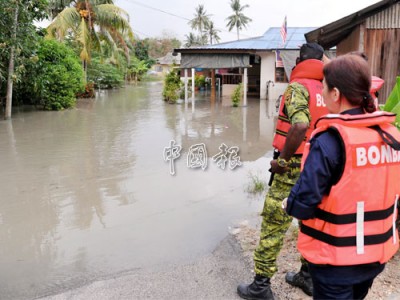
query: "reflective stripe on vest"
317, 106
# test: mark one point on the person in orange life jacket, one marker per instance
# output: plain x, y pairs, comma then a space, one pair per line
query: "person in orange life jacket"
301, 105
347, 194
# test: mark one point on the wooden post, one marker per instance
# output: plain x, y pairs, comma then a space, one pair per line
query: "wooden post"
212, 97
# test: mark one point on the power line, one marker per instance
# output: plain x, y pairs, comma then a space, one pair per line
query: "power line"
157, 9
174, 15
140, 33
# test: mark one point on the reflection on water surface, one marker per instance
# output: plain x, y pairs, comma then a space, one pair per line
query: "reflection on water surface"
86, 193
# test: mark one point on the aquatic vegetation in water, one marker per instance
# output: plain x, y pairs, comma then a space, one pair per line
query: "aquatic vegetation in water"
256, 184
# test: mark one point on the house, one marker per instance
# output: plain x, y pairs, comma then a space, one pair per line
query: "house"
165, 64
263, 64
374, 30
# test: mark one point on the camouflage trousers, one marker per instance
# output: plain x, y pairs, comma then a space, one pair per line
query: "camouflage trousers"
275, 221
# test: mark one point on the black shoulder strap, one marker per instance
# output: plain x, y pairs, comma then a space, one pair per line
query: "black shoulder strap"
387, 137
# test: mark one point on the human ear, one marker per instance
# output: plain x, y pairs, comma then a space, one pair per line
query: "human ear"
336, 94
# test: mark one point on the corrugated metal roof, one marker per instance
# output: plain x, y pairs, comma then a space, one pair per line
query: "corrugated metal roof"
270, 40
331, 34
387, 19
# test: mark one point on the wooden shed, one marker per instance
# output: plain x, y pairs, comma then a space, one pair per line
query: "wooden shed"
374, 30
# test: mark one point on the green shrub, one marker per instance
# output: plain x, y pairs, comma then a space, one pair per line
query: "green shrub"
172, 86
136, 69
199, 80
53, 77
104, 76
237, 95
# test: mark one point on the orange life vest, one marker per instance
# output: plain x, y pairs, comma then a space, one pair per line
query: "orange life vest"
355, 223
309, 74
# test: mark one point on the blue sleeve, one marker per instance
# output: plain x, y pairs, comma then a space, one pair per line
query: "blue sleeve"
322, 169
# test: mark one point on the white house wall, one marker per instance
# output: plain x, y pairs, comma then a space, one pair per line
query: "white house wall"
267, 73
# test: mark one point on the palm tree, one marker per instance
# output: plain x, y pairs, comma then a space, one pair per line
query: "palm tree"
200, 20
94, 24
192, 40
238, 19
212, 32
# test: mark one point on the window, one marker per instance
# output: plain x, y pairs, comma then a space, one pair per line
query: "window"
280, 75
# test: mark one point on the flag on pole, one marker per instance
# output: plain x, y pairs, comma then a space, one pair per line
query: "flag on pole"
284, 31
278, 61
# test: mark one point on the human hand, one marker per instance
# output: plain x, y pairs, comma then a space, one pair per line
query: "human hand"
325, 59
284, 204
275, 168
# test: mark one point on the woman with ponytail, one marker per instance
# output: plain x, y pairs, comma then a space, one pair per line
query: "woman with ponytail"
350, 75
348, 189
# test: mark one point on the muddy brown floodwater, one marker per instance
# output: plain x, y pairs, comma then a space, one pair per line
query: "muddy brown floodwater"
86, 194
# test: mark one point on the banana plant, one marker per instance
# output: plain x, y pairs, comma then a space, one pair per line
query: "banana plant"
393, 102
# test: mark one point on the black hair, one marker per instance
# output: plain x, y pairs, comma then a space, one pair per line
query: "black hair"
350, 74
311, 51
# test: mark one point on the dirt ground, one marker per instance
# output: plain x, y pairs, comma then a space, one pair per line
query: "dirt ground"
386, 286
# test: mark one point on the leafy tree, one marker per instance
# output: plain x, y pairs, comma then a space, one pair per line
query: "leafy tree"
200, 20
141, 51
93, 24
18, 38
52, 78
159, 47
212, 32
238, 19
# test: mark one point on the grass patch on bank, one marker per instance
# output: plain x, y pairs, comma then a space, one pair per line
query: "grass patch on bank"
256, 184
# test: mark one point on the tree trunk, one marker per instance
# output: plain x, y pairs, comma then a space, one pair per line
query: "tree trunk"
84, 67
10, 77
89, 9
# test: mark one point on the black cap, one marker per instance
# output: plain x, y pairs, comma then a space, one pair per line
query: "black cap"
311, 51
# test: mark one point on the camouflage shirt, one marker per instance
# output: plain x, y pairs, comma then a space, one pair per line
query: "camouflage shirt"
296, 103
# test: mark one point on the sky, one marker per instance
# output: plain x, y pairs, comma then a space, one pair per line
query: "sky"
158, 18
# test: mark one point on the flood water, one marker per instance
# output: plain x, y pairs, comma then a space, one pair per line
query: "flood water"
86, 193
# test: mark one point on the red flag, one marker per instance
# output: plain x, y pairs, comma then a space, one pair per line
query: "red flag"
278, 61
284, 32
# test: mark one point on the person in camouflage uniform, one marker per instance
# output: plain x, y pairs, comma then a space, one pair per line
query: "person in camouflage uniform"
275, 221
